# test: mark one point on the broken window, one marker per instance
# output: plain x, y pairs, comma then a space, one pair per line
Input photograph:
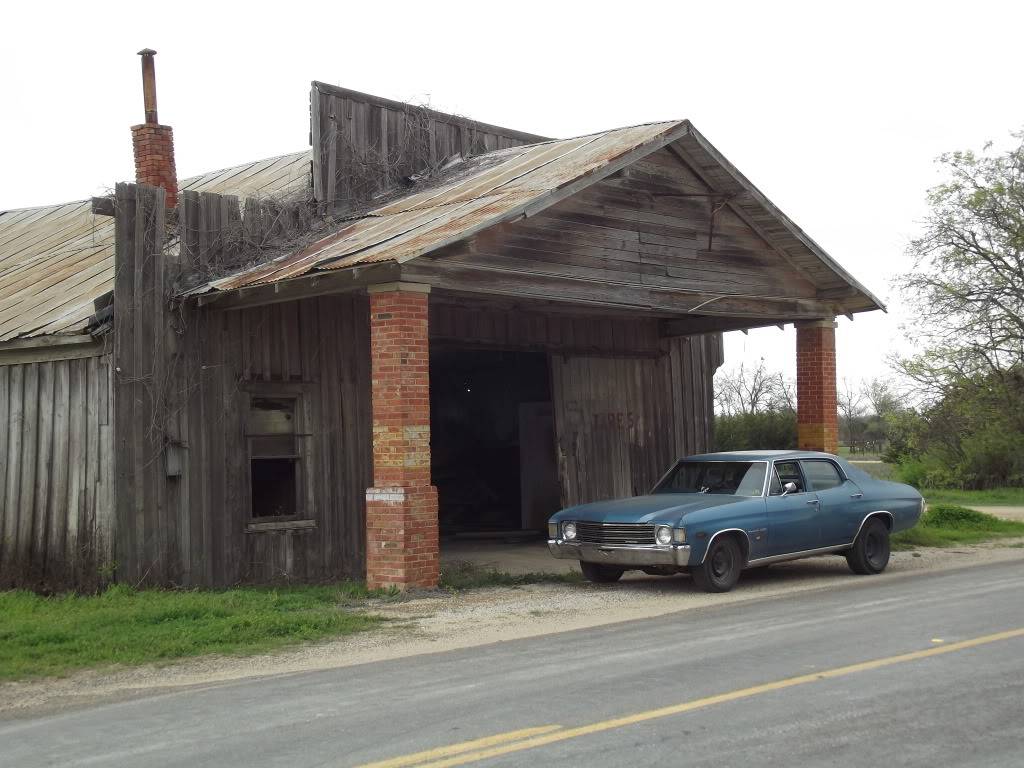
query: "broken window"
274, 457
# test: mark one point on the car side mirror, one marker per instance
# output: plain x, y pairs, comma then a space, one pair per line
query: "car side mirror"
788, 488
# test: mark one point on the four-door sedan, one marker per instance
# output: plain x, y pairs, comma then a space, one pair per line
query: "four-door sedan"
715, 514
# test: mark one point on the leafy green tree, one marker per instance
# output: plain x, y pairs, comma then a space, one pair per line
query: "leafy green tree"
967, 294
967, 286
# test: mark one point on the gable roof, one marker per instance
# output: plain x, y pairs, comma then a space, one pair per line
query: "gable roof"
57, 260
509, 184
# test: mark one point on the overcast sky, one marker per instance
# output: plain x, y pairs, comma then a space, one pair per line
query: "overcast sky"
835, 111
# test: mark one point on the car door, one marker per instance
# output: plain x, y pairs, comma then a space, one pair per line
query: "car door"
839, 500
793, 518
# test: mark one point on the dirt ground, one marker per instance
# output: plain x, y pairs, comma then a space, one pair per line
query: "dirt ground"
437, 621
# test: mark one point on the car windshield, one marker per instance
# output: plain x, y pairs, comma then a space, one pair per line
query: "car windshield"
730, 478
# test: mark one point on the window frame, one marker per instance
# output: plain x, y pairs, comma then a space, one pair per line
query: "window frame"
774, 473
302, 460
839, 471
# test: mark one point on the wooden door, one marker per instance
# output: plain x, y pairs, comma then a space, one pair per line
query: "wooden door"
540, 489
615, 425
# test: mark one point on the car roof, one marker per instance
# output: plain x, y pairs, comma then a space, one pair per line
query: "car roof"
759, 455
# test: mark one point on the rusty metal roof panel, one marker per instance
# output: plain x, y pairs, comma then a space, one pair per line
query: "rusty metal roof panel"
56, 260
470, 196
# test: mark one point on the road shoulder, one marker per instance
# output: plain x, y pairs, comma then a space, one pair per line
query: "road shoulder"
438, 622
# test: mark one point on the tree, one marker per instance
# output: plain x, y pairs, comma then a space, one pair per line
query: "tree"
743, 390
850, 400
967, 291
967, 287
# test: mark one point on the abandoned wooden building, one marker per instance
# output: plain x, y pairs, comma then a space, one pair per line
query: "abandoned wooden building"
313, 366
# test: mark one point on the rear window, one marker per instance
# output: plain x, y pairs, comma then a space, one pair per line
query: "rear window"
730, 478
822, 475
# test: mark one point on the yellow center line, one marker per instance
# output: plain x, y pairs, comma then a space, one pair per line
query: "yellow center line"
465, 746
473, 751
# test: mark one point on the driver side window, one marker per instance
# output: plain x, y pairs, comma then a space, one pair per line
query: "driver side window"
786, 472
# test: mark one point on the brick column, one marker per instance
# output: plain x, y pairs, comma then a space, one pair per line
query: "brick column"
401, 508
816, 408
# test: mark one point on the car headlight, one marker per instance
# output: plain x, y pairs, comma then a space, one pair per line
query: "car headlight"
568, 531
663, 535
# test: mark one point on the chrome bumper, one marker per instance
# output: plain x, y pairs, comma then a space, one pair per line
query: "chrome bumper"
628, 555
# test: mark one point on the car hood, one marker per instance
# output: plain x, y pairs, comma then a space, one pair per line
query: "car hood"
655, 508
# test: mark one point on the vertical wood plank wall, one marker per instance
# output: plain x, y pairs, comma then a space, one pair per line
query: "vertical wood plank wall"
56, 473
621, 422
351, 129
319, 349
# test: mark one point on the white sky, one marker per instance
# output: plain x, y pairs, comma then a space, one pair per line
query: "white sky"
835, 111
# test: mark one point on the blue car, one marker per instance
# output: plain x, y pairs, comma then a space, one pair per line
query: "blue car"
715, 514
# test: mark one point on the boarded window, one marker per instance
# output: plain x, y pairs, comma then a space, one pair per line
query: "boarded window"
274, 459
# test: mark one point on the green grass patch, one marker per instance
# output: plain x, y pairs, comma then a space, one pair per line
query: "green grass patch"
1010, 497
56, 635
466, 575
945, 525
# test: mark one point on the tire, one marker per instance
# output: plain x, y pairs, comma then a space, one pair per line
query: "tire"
870, 552
600, 574
721, 567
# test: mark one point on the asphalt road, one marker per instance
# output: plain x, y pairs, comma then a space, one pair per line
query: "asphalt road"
925, 670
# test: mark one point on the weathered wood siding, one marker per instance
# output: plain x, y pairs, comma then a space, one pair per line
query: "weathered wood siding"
364, 144
184, 379
318, 349
543, 331
620, 423
56, 473
651, 228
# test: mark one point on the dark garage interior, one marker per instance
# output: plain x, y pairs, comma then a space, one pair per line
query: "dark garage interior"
492, 440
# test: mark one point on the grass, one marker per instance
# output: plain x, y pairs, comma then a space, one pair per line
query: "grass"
57, 635
995, 496
946, 525
466, 575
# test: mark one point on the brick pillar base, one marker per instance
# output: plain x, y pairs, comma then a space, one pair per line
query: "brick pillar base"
817, 418
402, 546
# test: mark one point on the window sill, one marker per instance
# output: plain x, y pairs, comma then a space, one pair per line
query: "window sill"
280, 525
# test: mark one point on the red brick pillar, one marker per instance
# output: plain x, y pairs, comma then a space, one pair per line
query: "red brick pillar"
816, 408
401, 508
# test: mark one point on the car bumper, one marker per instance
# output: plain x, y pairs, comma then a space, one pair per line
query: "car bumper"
629, 556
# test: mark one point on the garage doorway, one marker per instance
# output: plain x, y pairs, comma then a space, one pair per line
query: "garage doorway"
492, 440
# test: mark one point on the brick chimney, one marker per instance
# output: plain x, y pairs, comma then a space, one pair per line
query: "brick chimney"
154, 143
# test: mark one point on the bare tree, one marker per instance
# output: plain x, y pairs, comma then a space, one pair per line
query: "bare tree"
744, 390
850, 399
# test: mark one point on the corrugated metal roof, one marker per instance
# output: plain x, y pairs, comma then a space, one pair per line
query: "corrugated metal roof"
56, 260
472, 196
506, 184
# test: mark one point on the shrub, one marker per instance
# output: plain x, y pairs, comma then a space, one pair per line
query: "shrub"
962, 518
755, 431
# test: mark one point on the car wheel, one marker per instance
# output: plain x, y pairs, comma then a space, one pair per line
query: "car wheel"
600, 574
721, 567
870, 552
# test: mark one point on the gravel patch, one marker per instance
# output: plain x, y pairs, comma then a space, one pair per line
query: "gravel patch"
433, 622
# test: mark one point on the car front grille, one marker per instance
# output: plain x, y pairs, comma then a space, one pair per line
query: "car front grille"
614, 533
